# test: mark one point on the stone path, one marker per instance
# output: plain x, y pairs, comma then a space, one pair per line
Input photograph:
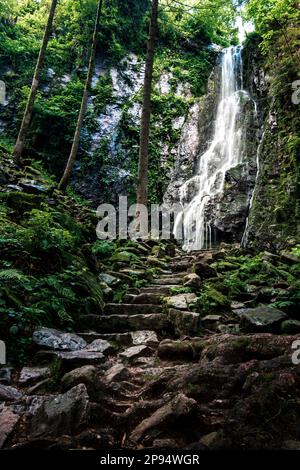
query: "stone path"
139, 375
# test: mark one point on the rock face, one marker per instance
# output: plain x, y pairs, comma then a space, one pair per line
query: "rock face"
64, 414
196, 133
274, 218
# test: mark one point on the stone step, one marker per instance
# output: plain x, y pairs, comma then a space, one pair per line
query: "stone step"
131, 309
125, 323
168, 281
144, 298
183, 266
160, 290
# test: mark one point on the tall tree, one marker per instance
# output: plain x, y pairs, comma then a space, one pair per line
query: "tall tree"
19, 147
68, 170
142, 190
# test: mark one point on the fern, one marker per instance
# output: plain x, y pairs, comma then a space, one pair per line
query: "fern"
12, 275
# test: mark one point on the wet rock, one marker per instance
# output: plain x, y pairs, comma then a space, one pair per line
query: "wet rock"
184, 323
168, 414
55, 339
192, 280
63, 415
8, 421
29, 375
116, 373
181, 301
83, 375
146, 338
260, 318
8, 393
135, 352
290, 327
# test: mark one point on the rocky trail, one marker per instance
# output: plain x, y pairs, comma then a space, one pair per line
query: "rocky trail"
152, 372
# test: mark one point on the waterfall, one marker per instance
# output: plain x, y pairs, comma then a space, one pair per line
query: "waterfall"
223, 154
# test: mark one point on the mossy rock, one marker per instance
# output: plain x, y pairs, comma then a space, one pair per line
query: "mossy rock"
125, 257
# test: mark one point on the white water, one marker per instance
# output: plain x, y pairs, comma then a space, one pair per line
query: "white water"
223, 154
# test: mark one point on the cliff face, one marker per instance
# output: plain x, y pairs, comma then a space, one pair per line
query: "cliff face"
274, 216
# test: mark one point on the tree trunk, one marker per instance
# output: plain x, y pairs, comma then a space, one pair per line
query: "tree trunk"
142, 191
19, 147
68, 170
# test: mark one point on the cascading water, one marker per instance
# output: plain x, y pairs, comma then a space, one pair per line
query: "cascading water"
223, 154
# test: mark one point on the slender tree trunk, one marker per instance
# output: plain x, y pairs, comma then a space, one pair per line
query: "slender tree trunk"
68, 170
19, 147
142, 190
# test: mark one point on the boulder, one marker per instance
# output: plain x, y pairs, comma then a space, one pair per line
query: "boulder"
181, 301
146, 338
54, 339
62, 415
30, 375
179, 407
134, 352
8, 421
260, 318
82, 375
8, 393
